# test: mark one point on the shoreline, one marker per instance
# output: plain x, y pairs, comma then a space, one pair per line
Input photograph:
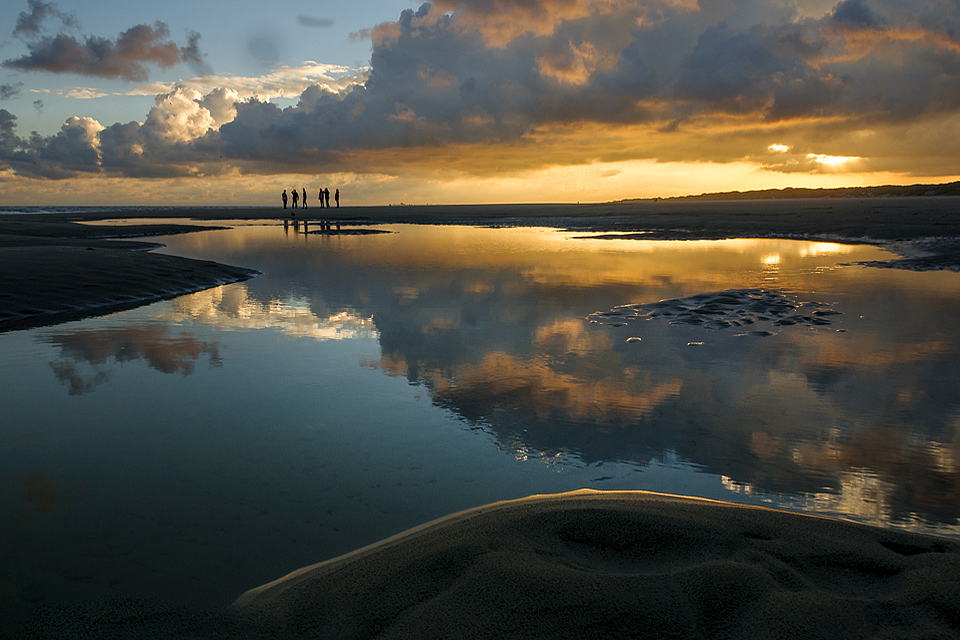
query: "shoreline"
853, 219
107, 273
37, 248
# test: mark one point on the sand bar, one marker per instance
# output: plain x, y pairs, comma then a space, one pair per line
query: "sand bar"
55, 271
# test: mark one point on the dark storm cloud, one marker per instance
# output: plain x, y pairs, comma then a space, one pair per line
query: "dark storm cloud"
126, 58
499, 71
459, 73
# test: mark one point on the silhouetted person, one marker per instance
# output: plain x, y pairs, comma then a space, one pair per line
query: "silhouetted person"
284, 197
326, 196
304, 198
336, 196
320, 197
296, 197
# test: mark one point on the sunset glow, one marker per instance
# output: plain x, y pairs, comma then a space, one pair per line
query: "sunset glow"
545, 101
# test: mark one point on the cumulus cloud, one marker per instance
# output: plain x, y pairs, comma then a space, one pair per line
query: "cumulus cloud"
127, 57
672, 80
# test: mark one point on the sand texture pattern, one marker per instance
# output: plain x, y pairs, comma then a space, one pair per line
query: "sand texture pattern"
594, 564
55, 272
585, 564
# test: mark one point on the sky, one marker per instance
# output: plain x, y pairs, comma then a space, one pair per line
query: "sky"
107, 102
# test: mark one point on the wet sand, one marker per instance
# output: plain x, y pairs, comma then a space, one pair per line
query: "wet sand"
52, 272
587, 564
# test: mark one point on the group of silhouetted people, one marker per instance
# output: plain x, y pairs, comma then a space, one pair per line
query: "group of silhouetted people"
323, 196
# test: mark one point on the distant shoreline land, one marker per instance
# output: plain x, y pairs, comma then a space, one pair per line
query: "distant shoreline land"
881, 191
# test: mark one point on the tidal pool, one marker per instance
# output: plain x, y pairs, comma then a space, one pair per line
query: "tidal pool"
189, 450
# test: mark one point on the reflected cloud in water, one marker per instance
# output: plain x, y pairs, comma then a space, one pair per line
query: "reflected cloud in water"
295, 429
232, 308
493, 323
507, 348
88, 357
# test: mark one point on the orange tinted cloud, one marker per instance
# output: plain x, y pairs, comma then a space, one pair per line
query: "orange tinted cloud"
488, 88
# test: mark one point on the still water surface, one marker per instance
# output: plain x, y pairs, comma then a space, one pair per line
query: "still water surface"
192, 449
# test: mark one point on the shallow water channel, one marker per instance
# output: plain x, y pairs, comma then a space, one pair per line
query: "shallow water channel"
192, 449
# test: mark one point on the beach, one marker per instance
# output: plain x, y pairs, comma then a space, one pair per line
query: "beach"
582, 564
36, 249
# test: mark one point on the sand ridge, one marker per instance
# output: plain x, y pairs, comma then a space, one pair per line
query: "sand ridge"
591, 564
588, 564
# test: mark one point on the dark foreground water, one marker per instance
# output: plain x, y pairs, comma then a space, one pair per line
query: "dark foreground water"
190, 450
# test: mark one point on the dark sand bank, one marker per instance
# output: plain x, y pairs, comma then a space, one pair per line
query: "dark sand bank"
55, 271
925, 230
591, 564
863, 219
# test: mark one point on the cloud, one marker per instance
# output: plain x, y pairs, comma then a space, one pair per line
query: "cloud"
487, 86
31, 24
10, 91
125, 58
310, 21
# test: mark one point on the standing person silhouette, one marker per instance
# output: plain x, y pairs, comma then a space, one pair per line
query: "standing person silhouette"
336, 197
326, 196
296, 197
320, 197
304, 197
284, 198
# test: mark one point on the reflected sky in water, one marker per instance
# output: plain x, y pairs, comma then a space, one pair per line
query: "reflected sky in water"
195, 448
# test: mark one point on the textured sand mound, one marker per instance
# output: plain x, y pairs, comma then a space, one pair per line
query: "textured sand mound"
724, 310
623, 564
